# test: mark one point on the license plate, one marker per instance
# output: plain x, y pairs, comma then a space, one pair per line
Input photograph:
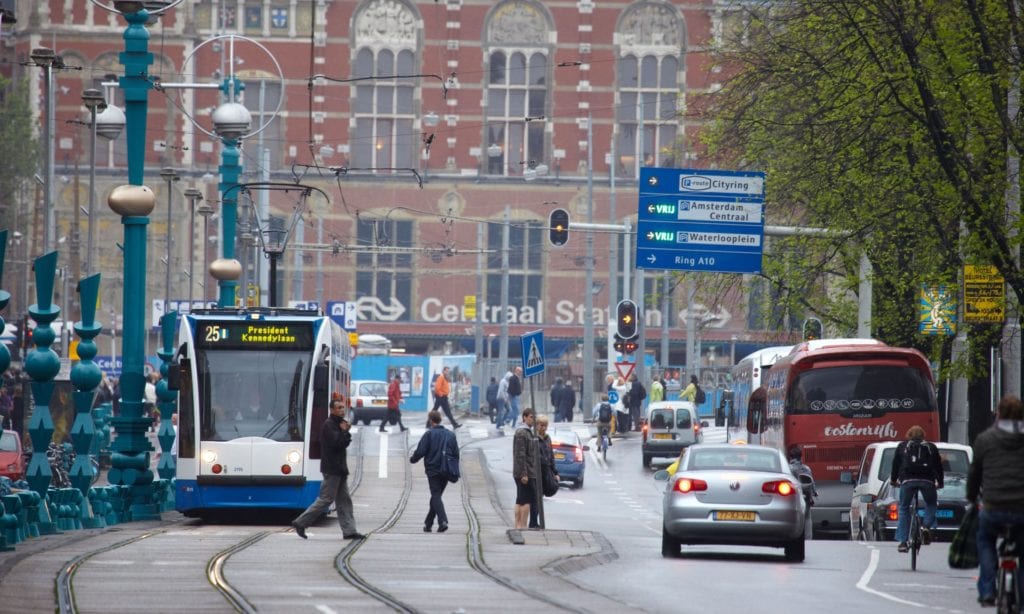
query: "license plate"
559, 456
944, 514
732, 515
663, 435
379, 401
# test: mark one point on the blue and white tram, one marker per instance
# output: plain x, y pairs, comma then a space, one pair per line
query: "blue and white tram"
254, 390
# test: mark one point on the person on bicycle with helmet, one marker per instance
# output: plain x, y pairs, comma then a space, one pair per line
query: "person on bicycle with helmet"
996, 475
916, 468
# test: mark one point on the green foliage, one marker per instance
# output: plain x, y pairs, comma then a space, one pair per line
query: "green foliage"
19, 147
887, 121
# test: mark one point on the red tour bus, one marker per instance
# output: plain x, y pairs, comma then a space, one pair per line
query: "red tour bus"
833, 397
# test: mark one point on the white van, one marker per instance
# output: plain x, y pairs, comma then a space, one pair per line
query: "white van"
876, 465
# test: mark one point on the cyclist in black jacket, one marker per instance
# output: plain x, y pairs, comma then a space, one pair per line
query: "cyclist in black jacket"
916, 468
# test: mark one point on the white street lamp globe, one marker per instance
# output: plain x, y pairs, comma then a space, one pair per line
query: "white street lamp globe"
231, 120
110, 122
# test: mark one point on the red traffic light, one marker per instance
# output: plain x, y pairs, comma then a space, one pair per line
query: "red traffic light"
630, 346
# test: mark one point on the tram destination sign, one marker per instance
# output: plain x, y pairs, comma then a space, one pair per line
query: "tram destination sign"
700, 220
251, 335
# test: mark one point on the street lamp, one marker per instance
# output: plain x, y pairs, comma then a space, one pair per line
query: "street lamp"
46, 59
192, 194
111, 127
170, 176
231, 121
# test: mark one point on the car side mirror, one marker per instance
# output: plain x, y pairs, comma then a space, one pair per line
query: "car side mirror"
704, 424
586, 448
661, 475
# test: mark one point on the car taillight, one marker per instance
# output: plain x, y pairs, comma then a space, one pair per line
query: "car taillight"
687, 485
286, 469
1008, 564
779, 487
894, 512
359, 402
578, 454
696, 427
216, 469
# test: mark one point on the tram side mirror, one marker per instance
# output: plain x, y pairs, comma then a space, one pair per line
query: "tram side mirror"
174, 373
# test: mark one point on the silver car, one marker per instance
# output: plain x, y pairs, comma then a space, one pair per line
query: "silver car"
733, 495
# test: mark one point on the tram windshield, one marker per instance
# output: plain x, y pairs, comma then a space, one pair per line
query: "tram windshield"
252, 393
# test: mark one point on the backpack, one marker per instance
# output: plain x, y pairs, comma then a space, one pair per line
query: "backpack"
700, 396
918, 456
604, 413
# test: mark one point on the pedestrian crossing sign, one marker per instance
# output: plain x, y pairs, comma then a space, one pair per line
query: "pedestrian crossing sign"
533, 353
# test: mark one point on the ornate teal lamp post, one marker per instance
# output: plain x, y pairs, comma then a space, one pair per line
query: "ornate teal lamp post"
85, 376
231, 121
167, 467
134, 202
42, 364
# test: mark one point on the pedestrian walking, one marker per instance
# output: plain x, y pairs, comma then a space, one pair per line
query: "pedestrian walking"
524, 469
433, 446
492, 400
555, 391
394, 401
621, 406
637, 394
443, 388
502, 395
566, 403
335, 439
657, 391
515, 389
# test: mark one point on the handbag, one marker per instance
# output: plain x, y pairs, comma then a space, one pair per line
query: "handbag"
963, 551
450, 466
550, 483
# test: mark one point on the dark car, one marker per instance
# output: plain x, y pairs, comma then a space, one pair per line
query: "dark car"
570, 462
882, 514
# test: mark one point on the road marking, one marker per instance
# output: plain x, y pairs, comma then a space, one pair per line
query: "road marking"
865, 579
325, 609
382, 460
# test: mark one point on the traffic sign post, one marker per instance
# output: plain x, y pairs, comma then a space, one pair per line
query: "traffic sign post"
533, 353
700, 220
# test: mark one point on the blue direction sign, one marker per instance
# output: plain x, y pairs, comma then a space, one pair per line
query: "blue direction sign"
700, 220
344, 314
533, 353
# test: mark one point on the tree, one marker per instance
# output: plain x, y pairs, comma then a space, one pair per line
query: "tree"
888, 120
19, 147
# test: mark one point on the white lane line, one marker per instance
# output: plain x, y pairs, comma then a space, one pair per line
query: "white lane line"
325, 609
382, 460
865, 579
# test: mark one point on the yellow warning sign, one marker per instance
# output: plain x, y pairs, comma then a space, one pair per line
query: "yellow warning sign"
984, 295
469, 306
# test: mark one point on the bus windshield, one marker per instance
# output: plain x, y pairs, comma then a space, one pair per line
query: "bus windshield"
252, 393
860, 389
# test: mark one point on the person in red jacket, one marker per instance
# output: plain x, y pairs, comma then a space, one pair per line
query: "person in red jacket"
394, 400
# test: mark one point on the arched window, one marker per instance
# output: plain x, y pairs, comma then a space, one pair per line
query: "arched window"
516, 51
386, 36
648, 87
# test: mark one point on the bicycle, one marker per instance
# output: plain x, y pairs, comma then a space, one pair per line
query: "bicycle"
914, 540
1008, 598
604, 440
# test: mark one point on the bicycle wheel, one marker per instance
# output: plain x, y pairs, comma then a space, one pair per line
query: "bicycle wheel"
915, 535
1007, 592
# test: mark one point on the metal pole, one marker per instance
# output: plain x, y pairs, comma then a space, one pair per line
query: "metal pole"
587, 388
503, 349
692, 351
478, 328
170, 175
191, 249
666, 305
92, 193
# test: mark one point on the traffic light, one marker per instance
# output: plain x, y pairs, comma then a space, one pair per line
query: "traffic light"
620, 345
558, 227
630, 346
625, 319
813, 329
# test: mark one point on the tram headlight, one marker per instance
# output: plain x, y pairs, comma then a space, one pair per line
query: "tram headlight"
209, 456
294, 456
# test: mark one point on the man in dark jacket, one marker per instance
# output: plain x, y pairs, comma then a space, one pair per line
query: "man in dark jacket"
334, 440
556, 390
996, 475
566, 403
432, 448
916, 467
637, 394
492, 399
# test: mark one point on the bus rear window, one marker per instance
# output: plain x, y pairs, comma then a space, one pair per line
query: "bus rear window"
874, 388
